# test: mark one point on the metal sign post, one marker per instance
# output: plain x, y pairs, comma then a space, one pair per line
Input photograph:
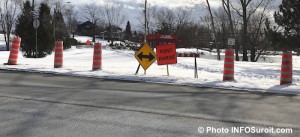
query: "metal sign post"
196, 68
137, 70
36, 50
36, 24
168, 70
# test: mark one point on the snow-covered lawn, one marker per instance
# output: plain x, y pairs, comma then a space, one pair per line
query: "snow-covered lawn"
2, 41
83, 39
2, 45
119, 64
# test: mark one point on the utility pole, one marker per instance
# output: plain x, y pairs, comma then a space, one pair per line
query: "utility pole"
36, 24
145, 35
145, 29
54, 21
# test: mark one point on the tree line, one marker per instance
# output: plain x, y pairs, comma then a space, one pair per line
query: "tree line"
253, 24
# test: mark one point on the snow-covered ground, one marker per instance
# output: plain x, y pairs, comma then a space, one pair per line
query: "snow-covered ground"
83, 39
2, 45
2, 41
120, 64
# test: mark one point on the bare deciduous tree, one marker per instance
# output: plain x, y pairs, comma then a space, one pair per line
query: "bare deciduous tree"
171, 21
245, 9
165, 20
8, 15
151, 25
227, 9
182, 17
92, 12
222, 27
70, 16
256, 24
114, 15
207, 4
213, 29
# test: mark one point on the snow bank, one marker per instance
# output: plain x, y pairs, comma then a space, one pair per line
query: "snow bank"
192, 50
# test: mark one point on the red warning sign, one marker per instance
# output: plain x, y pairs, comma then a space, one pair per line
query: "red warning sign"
166, 54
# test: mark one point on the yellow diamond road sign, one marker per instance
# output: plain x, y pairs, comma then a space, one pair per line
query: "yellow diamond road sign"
145, 56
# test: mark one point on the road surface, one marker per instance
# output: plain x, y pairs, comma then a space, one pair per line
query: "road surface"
38, 105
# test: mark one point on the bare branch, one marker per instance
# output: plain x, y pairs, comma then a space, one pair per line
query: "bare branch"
114, 14
8, 15
91, 12
236, 10
254, 10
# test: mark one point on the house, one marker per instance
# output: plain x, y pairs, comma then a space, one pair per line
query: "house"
117, 33
85, 29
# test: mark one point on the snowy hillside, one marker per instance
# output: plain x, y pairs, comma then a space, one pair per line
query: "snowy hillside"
120, 64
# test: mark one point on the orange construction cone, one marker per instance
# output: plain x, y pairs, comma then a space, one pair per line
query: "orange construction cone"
58, 58
286, 68
97, 59
14, 51
228, 73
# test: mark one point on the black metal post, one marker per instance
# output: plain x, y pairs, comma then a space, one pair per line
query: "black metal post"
196, 67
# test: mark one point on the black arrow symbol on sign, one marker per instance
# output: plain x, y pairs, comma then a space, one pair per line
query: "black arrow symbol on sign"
150, 56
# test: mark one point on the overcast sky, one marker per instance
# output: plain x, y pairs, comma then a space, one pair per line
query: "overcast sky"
134, 3
133, 7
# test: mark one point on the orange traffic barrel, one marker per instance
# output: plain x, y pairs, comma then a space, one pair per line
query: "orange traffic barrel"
14, 51
58, 57
97, 58
286, 68
228, 73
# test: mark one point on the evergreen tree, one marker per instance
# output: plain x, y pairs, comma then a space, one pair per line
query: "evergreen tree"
288, 17
61, 32
25, 30
45, 32
60, 26
128, 33
273, 37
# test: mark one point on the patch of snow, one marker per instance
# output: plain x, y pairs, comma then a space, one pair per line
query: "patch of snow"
192, 50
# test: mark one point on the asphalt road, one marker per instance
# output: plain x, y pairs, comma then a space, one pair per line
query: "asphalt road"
38, 105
